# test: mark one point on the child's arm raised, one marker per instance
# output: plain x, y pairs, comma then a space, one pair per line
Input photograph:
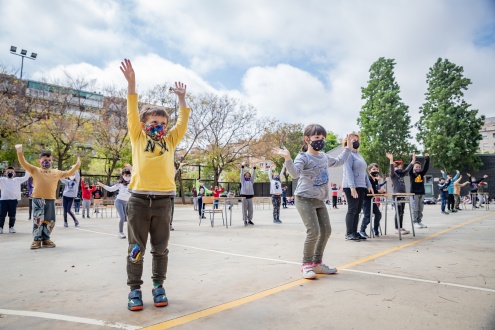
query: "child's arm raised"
132, 100
179, 130
342, 158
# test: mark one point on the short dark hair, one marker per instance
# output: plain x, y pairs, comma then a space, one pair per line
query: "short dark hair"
46, 154
153, 111
10, 168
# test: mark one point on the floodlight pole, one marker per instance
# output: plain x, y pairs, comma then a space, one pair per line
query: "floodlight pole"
23, 54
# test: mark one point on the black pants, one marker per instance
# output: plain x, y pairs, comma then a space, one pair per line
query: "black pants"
399, 208
30, 207
201, 206
451, 202
9, 207
334, 202
354, 206
67, 204
367, 215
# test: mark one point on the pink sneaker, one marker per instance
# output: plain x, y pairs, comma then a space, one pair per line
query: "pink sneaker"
308, 272
321, 268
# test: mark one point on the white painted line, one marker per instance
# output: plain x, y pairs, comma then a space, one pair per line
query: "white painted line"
420, 280
235, 254
207, 250
67, 318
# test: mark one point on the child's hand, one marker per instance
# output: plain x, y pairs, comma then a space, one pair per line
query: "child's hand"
179, 89
282, 152
427, 154
390, 156
128, 71
441, 171
18, 148
78, 163
485, 176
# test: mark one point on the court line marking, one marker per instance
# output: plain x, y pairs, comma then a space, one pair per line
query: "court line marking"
68, 318
420, 280
256, 296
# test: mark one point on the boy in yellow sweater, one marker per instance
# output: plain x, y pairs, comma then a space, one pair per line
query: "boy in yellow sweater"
45, 181
152, 187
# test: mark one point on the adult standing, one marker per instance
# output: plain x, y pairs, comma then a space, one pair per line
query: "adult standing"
356, 185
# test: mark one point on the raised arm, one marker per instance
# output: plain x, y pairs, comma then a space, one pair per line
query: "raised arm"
456, 176
73, 170
20, 155
25, 177
253, 174
392, 166
341, 159
427, 164
133, 121
179, 130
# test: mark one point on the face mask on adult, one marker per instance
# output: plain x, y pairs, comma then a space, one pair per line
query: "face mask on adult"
355, 144
317, 145
246, 178
10, 175
155, 132
46, 164
398, 171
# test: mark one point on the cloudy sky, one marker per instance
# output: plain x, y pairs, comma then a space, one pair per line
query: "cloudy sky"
299, 61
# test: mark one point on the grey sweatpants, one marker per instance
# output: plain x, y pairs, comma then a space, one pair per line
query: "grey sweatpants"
86, 204
247, 209
147, 214
417, 205
315, 217
120, 206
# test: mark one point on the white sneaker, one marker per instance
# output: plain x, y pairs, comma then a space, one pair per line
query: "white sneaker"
12, 230
420, 225
121, 235
308, 272
404, 231
321, 268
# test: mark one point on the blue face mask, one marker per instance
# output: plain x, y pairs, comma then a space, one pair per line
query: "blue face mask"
246, 178
276, 178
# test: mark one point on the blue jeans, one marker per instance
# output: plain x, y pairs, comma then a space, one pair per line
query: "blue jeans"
445, 198
367, 215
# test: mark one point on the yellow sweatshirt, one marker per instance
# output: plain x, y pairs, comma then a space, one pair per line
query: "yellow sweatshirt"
45, 181
153, 170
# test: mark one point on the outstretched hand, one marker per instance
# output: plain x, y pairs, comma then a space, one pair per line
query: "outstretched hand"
18, 147
282, 152
128, 71
390, 156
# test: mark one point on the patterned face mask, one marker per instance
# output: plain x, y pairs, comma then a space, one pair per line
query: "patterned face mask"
155, 132
317, 145
46, 164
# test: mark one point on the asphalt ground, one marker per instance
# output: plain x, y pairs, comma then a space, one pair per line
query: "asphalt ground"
249, 277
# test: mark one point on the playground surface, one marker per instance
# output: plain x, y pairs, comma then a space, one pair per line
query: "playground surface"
249, 277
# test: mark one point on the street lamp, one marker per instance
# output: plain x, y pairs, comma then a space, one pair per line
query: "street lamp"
23, 54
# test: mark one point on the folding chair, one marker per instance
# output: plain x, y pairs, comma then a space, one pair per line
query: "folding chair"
208, 200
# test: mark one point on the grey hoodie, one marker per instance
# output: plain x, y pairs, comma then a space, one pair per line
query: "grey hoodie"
312, 171
71, 186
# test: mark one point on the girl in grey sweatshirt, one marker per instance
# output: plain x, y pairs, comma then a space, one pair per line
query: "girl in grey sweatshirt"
311, 169
247, 191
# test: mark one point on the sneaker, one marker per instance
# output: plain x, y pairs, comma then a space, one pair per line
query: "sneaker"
446, 213
76, 223
352, 237
88, 216
277, 221
12, 230
245, 223
250, 222
35, 245
171, 227
48, 244
360, 236
159, 296
404, 231
121, 235
135, 300
376, 233
308, 272
321, 268
1, 230
66, 224
420, 225
363, 235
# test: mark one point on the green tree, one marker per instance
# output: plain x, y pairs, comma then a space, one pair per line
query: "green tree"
331, 142
384, 120
448, 129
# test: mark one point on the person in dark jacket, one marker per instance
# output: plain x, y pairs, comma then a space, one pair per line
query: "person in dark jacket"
417, 177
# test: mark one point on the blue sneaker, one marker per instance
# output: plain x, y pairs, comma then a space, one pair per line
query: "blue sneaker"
159, 296
135, 302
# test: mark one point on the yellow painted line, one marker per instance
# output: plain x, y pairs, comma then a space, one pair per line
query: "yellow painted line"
238, 302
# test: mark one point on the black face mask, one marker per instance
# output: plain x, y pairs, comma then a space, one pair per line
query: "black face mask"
374, 174
10, 175
317, 145
398, 171
355, 144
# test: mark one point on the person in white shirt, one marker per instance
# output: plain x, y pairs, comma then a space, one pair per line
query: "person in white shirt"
122, 197
11, 194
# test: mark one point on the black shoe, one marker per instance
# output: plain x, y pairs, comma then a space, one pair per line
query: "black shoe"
84, 216
250, 222
377, 234
245, 223
352, 237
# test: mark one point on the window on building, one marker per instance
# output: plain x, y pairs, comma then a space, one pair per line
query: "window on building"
485, 145
261, 165
485, 135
